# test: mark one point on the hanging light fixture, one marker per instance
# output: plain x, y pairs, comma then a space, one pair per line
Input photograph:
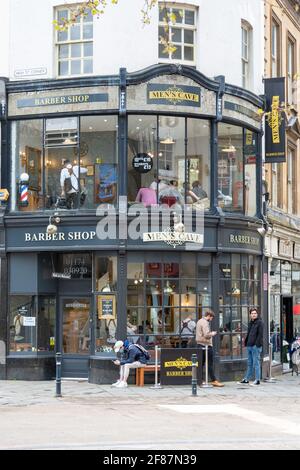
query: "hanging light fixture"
230, 148
168, 141
168, 289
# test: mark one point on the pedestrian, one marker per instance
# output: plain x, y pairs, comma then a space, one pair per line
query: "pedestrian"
204, 338
135, 356
254, 343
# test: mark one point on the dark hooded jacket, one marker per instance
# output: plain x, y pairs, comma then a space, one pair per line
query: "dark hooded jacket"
255, 333
133, 354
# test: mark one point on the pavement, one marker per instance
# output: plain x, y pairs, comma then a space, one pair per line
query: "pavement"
91, 416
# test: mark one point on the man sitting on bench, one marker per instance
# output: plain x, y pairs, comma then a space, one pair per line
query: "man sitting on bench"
135, 356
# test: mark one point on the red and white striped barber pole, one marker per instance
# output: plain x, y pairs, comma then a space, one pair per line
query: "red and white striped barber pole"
24, 184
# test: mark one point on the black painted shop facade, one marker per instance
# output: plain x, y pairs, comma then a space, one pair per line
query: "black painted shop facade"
77, 293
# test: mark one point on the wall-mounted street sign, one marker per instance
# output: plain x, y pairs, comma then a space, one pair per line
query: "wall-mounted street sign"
4, 195
142, 162
275, 120
181, 95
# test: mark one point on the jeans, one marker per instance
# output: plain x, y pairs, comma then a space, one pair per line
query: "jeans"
125, 369
253, 362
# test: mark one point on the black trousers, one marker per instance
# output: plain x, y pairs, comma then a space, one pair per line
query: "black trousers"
72, 200
211, 371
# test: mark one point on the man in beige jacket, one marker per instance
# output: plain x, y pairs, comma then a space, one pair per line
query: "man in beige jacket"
204, 338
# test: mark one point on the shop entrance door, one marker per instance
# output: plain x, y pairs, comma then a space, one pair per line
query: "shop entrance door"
75, 321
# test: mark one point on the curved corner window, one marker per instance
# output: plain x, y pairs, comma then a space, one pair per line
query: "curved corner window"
237, 157
178, 173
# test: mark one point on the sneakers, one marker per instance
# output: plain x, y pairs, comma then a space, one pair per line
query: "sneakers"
256, 382
216, 383
244, 381
121, 384
116, 383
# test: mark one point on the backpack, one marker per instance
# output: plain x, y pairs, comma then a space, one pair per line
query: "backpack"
185, 324
144, 351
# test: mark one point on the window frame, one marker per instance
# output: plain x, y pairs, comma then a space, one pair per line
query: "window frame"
291, 66
183, 27
247, 59
70, 42
275, 53
291, 182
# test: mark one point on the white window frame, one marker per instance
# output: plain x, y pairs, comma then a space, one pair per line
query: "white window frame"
274, 184
69, 42
246, 43
291, 48
275, 52
183, 27
291, 156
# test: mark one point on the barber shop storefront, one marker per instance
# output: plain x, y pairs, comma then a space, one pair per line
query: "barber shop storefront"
157, 224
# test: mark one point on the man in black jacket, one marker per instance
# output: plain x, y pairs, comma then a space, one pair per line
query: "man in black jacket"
135, 356
254, 343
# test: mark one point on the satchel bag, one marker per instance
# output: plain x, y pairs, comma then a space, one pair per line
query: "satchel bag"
68, 185
83, 195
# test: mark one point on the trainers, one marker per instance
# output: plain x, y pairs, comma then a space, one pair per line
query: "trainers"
216, 383
244, 381
116, 383
256, 382
122, 384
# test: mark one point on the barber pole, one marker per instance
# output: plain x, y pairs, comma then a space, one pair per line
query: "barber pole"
24, 184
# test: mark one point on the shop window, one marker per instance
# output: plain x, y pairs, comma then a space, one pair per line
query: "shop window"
106, 303
230, 168
142, 145
175, 176
106, 273
238, 292
46, 324
181, 32
74, 46
275, 327
27, 150
286, 277
71, 164
161, 300
76, 265
275, 280
61, 144
23, 324
197, 186
99, 156
251, 158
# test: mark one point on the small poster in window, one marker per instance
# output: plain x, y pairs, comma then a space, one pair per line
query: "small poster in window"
105, 183
106, 307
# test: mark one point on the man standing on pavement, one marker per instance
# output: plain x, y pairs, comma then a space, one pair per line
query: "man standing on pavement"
254, 343
204, 338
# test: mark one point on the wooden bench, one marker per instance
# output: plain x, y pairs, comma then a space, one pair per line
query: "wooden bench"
140, 372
